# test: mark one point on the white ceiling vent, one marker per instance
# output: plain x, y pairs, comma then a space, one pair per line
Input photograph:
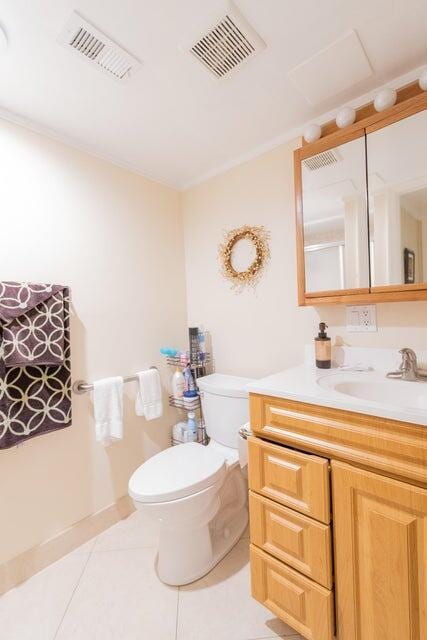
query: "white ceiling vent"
321, 160
227, 43
83, 38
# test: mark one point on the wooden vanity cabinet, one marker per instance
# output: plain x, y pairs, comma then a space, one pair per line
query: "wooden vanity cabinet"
338, 521
380, 529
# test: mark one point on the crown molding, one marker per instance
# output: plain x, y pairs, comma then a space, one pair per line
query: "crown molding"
296, 132
62, 138
287, 136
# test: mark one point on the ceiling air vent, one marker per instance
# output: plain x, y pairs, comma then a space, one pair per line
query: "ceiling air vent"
321, 160
228, 43
84, 39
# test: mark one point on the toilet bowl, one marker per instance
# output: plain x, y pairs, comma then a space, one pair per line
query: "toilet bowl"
198, 494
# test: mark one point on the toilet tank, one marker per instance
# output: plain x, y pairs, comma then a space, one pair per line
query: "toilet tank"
225, 406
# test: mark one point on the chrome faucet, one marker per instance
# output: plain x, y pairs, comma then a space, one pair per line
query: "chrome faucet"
408, 369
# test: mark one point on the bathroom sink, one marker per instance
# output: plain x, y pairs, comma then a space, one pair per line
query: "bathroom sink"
375, 387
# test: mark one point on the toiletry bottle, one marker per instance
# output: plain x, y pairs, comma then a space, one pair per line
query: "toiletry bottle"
183, 358
178, 384
322, 345
192, 427
190, 385
179, 432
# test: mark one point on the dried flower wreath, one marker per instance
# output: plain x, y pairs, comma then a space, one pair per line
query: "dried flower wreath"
259, 237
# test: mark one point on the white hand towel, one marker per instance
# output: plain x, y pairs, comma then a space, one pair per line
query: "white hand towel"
108, 409
149, 397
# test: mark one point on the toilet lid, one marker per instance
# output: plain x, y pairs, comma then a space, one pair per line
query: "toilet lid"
176, 473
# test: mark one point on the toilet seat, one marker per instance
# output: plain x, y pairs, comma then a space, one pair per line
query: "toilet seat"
176, 473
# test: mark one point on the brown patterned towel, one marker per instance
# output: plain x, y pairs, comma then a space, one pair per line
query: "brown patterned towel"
36, 335
35, 375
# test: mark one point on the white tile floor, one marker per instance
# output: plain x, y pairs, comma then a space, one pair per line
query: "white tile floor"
108, 590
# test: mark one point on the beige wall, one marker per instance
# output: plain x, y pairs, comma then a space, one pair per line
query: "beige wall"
116, 239
259, 332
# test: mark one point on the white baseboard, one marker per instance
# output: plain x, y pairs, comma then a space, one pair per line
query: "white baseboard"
37, 558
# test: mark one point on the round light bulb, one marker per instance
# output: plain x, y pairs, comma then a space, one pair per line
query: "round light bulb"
385, 99
312, 133
423, 80
345, 117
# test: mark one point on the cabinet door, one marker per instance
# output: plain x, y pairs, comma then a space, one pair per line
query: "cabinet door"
380, 531
334, 219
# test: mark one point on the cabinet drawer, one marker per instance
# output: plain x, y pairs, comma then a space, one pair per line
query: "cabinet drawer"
296, 480
298, 601
301, 542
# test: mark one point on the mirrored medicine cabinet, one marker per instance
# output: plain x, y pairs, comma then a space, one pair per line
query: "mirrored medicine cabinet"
361, 208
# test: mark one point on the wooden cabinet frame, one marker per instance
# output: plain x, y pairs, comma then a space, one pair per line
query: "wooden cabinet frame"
410, 100
379, 523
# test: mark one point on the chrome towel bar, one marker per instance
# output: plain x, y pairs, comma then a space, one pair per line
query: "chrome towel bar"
81, 386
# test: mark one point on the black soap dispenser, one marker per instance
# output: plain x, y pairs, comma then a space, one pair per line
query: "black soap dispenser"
322, 346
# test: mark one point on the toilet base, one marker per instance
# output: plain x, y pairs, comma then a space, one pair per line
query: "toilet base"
204, 550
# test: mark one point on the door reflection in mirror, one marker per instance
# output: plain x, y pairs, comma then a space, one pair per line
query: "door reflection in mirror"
397, 182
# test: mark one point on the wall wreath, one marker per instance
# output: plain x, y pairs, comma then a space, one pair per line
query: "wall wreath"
250, 276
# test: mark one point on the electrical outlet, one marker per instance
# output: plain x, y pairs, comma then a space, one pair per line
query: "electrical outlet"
362, 318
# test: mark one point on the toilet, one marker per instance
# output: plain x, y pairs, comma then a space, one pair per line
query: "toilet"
196, 493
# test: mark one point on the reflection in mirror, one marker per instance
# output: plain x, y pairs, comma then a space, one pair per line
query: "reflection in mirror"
335, 218
397, 181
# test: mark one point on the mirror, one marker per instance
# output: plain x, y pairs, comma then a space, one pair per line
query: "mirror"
397, 183
335, 220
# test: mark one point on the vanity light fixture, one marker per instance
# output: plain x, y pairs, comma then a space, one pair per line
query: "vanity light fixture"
423, 80
345, 117
312, 133
385, 99
3, 39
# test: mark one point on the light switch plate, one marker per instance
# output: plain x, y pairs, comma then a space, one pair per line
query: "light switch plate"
361, 318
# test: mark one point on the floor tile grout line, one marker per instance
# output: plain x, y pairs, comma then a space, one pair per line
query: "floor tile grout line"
177, 614
72, 595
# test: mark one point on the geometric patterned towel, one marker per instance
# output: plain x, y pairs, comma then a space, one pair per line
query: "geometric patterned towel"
35, 371
36, 336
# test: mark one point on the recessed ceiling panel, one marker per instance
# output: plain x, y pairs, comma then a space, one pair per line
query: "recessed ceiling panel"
332, 70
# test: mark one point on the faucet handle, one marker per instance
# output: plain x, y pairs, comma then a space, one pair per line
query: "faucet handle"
408, 354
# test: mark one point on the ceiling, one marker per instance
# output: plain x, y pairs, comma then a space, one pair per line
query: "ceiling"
173, 121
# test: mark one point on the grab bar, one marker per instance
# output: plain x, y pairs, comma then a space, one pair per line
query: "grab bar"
81, 386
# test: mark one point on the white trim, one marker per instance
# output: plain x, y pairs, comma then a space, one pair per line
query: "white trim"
296, 133
325, 245
33, 560
287, 136
308, 223
22, 121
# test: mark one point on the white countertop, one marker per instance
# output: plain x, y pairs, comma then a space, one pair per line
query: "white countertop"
302, 384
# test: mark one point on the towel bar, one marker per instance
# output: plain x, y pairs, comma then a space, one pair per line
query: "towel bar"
81, 386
